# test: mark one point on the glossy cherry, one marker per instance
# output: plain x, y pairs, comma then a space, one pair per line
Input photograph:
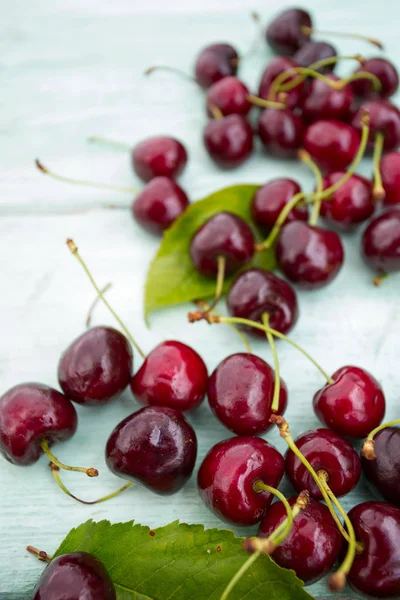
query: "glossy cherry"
331, 144
73, 576
312, 52
351, 204
155, 446
390, 173
353, 405
229, 140
159, 204
269, 200
29, 413
256, 292
380, 246
96, 367
159, 156
376, 570
313, 545
325, 450
275, 67
385, 71
215, 62
230, 96
383, 471
284, 33
228, 474
172, 375
227, 235
308, 255
240, 393
281, 132
322, 101
384, 118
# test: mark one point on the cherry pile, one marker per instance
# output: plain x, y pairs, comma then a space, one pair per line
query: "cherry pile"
330, 124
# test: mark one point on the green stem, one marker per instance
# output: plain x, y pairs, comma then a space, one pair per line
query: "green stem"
306, 158
94, 304
108, 142
305, 71
246, 565
280, 221
257, 101
357, 36
203, 306
376, 82
325, 62
277, 385
378, 190
215, 111
368, 449
277, 537
91, 472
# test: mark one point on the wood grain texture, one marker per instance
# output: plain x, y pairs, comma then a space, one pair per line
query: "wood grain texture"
70, 69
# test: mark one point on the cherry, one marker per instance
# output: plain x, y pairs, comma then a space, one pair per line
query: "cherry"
230, 96
159, 156
313, 545
332, 144
256, 292
159, 204
269, 200
75, 575
224, 235
155, 446
380, 246
384, 117
229, 140
353, 404
326, 451
382, 469
385, 71
376, 570
322, 101
96, 367
173, 375
281, 132
349, 205
229, 473
312, 52
215, 62
240, 393
285, 34
275, 67
308, 255
390, 173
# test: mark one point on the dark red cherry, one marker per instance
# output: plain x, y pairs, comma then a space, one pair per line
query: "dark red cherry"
269, 200
159, 204
29, 413
309, 256
281, 132
159, 156
215, 62
312, 52
172, 375
230, 95
381, 242
384, 118
275, 67
74, 576
256, 292
226, 235
322, 101
383, 471
351, 204
353, 405
385, 71
325, 450
96, 367
228, 473
331, 144
155, 446
285, 34
313, 544
229, 140
390, 173
376, 570
240, 393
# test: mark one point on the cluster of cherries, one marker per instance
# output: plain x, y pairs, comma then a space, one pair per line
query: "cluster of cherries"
329, 123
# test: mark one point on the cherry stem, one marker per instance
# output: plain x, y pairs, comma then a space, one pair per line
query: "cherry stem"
277, 385
306, 158
376, 82
94, 304
57, 478
379, 278
74, 250
93, 184
174, 70
378, 191
256, 41
40, 554
219, 287
115, 143
202, 304
368, 449
310, 30
215, 111
257, 101
277, 537
238, 575
91, 472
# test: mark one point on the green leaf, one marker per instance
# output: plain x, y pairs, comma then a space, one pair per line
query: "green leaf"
172, 278
179, 561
